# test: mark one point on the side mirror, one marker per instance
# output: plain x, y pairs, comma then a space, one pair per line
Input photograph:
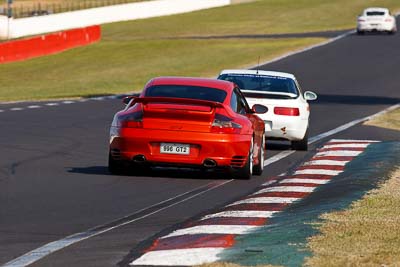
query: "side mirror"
127, 99
308, 95
259, 109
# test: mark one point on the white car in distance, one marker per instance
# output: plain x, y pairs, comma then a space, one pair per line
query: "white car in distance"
376, 19
288, 112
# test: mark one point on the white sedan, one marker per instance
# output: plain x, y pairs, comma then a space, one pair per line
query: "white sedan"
288, 111
376, 19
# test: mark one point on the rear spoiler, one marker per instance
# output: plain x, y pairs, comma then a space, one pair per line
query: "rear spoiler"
172, 100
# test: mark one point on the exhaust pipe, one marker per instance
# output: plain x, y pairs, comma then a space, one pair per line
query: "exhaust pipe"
209, 163
139, 159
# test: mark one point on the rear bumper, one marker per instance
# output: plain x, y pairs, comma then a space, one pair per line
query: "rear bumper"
227, 150
292, 128
375, 27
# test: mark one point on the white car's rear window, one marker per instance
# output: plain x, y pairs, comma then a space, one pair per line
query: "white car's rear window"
263, 83
375, 13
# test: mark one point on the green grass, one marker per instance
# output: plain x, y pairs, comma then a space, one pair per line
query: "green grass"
132, 52
261, 17
110, 67
368, 233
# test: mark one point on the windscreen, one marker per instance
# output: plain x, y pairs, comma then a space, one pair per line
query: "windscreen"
375, 13
187, 91
265, 83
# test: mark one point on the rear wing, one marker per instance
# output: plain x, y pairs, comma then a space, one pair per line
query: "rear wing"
172, 100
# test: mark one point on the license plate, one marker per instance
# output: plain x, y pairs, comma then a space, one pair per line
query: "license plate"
171, 148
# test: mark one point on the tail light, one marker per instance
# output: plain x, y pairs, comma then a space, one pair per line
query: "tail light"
361, 20
130, 120
388, 20
287, 111
223, 124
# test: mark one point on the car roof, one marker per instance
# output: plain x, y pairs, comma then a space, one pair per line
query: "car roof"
202, 82
259, 72
376, 9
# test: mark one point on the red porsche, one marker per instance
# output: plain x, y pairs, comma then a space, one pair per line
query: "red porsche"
188, 122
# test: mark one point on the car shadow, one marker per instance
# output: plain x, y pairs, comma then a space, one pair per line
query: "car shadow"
274, 145
156, 172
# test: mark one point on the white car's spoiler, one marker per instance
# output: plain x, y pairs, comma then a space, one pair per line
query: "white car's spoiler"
268, 93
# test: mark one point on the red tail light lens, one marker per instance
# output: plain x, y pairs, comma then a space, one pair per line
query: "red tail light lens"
223, 124
130, 120
361, 20
287, 111
388, 20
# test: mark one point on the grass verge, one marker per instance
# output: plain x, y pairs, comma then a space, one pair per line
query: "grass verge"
132, 52
367, 234
117, 67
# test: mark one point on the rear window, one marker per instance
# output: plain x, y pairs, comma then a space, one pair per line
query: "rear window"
375, 13
262, 83
186, 91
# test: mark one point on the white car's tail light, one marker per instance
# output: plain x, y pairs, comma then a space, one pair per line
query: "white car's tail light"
285, 111
388, 20
361, 20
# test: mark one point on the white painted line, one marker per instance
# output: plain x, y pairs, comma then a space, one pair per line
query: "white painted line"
269, 182
16, 109
301, 189
52, 247
98, 98
305, 181
339, 129
241, 214
326, 162
350, 145
352, 140
1, 110
278, 156
318, 171
83, 100
52, 104
266, 200
214, 229
338, 153
68, 102
179, 257
34, 106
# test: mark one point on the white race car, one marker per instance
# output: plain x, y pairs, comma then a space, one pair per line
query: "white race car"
288, 111
376, 19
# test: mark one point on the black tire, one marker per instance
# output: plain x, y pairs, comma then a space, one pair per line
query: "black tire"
245, 172
114, 167
258, 169
360, 32
301, 144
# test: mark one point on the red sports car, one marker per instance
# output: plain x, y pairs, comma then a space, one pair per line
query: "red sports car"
188, 122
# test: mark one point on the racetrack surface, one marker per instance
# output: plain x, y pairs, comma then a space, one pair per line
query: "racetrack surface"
54, 181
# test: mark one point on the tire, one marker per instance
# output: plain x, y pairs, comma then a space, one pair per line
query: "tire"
360, 32
301, 144
114, 167
245, 172
258, 169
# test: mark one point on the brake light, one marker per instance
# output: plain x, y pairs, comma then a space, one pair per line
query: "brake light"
287, 111
223, 124
130, 120
388, 20
361, 20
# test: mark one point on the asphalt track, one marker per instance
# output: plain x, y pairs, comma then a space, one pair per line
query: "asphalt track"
54, 181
